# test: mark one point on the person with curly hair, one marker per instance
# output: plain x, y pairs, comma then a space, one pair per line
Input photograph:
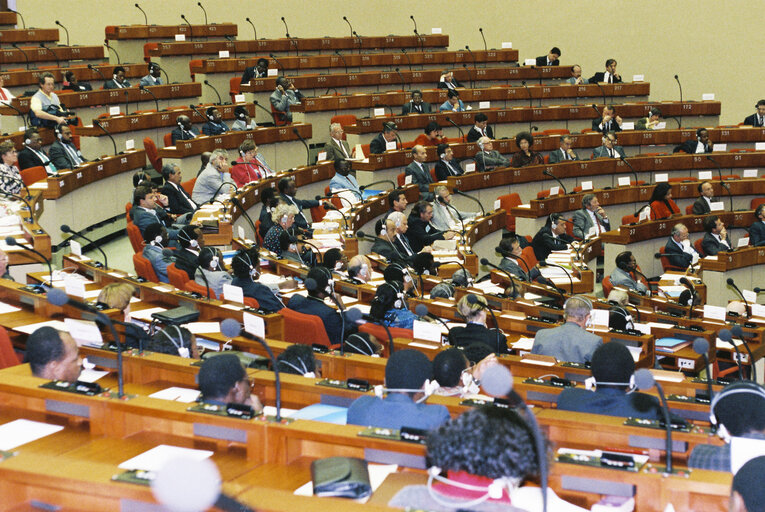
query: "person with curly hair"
525, 156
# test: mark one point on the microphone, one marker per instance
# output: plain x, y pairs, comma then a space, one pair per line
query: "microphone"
349, 26
286, 28
603, 91
145, 89
145, 18
473, 300
733, 284
93, 68
334, 194
739, 333
539, 76
701, 347
568, 274
354, 315
724, 185
471, 56
21, 114
549, 173
449, 120
55, 57
462, 221
279, 63
470, 75
169, 253
648, 289
127, 102
9, 240
644, 381
403, 50
203, 10
634, 174
236, 202
66, 229
681, 117
484, 39
14, 196
270, 114
65, 30
307, 151
230, 328
364, 187
457, 191
487, 263
403, 82
685, 282
358, 40
528, 93
208, 84
197, 112
26, 57
17, 13
411, 17
345, 64
191, 35
497, 381
643, 207
727, 336
253, 27
597, 110
422, 310
97, 123
110, 47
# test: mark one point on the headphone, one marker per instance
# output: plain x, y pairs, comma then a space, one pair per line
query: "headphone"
480, 146
215, 260
240, 112
253, 271
182, 351
623, 261
363, 270
209, 113
304, 371
442, 156
57, 130
366, 349
494, 490
404, 270
580, 297
180, 125
629, 322
428, 388
330, 280
590, 384
743, 386
400, 299
183, 236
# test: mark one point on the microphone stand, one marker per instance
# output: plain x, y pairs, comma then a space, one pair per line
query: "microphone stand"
55, 57
722, 182
145, 18
732, 283
253, 28
470, 75
681, 117
349, 26
279, 63
364, 187
97, 123
145, 89
66, 229
603, 91
528, 93
345, 64
487, 263
191, 35
330, 206
403, 82
403, 50
421, 310
449, 120
207, 83
235, 200
26, 57
738, 332
203, 10
685, 282
110, 47
546, 172
270, 114
9, 240
485, 48
23, 118
456, 191
307, 151
65, 30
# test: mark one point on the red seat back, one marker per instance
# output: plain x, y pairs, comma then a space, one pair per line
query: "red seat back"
33, 175
143, 268
193, 286
135, 237
177, 277
152, 154
303, 329
506, 202
8, 356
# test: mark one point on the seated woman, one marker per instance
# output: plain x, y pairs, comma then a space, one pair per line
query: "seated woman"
10, 177
298, 360
389, 306
476, 330
246, 268
496, 448
283, 217
174, 340
525, 156
661, 204
432, 135
117, 296
211, 272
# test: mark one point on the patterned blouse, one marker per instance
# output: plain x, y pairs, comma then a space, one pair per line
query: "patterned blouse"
10, 179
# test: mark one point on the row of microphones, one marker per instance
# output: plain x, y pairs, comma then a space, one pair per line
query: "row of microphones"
680, 86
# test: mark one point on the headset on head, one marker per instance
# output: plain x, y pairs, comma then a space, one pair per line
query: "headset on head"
404, 270
621, 263
302, 371
210, 113
193, 243
215, 261
253, 269
480, 145
428, 388
629, 322
580, 297
743, 386
365, 347
590, 384
494, 490
182, 351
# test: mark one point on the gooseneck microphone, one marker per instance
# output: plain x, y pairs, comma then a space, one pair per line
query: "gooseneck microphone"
9, 240
17, 13
400, 76
568, 274
403, 50
644, 381
255, 32
66, 229
65, 30
470, 75
485, 48
449, 120
487, 263
208, 84
342, 57
726, 336
271, 114
55, 57
421, 310
93, 68
634, 174
457, 191
549, 173
528, 93
732, 283
203, 10
286, 28
364, 187
110, 47
471, 56
685, 282
739, 333
26, 57
236, 202
21, 114
307, 151
145, 18
191, 35
701, 347
98, 124
345, 19
354, 315
722, 182
146, 89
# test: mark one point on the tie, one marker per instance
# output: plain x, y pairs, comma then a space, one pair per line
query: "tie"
343, 148
427, 173
611, 152
73, 156
406, 245
565, 155
2, 94
761, 122
610, 78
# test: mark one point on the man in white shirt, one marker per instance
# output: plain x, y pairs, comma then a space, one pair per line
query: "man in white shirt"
343, 180
679, 250
716, 238
703, 204
336, 148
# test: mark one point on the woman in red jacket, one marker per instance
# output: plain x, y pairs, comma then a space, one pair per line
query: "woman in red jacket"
662, 205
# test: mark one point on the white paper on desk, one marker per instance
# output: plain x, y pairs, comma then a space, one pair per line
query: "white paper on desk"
19, 432
130, 144
523, 343
599, 317
758, 310
749, 296
364, 308
272, 72
7, 308
389, 146
29, 329
643, 214
233, 293
752, 173
489, 287
661, 126
239, 98
223, 54
408, 180
530, 62
638, 78
716, 206
154, 459
84, 332
254, 325
717, 148
426, 331
177, 394
714, 312
74, 287
644, 328
114, 111
145, 314
378, 112
268, 279
623, 181
554, 190
586, 185
203, 327
90, 375
661, 177
507, 45
424, 345
484, 105
445, 245
742, 242
628, 125
705, 175
164, 288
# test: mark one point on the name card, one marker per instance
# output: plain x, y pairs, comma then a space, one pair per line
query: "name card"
272, 72
643, 215
709, 96
497, 204
358, 152
554, 190
758, 310
74, 286
435, 30
743, 242
233, 293
714, 312
637, 78
705, 175
113, 111
426, 331
484, 105
180, 37
749, 295
130, 144
223, 54
240, 232
321, 156
661, 126
75, 247
586, 185
719, 147
530, 62
470, 167
661, 178
624, 181
628, 125
759, 146
408, 180
507, 44
750, 173
239, 98
390, 146
378, 112
717, 206
254, 324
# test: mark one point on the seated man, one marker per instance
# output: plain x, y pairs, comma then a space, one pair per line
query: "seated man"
242, 120
419, 172
609, 122
33, 154
416, 106
406, 373
758, 118
447, 165
716, 238
298, 359
679, 249
388, 136
359, 269
287, 193
610, 148
259, 70
552, 237
569, 342
447, 80
174, 340
488, 159
223, 380
576, 76
565, 153
118, 80
53, 355
214, 180
396, 227
551, 59
511, 250
746, 493
384, 244
63, 153
214, 124
757, 229
444, 214
703, 204
623, 275
154, 77
246, 267
421, 231
651, 122
592, 215
179, 201
155, 237
739, 411
453, 102
612, 370
699, 145
336, 148
343, 180
184, 130
318, 289
191, 241
609, 76
285, 95
480, 129
146, 211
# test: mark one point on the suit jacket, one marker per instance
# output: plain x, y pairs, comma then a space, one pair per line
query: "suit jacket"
421, 233
757, 233
642, 123
60, 156
150, 80
689, 146
568, 342
711, 246
557, 156
377, 145
215, 279
250, 73
210, 128
600, 76
395, 411
544, 243
421, 178
614, 126
208, 181
753, 120
334, 152
187, 261
448, 107
281, 102
621, 278
386, 250
610, 401
158, 262
444, 169
700, 206
473, 134
572, 81
178, 201
454, 82
329, 316
28, 159
408, 108
301, 219
178, 134
260, 292
542, 61
489, 161
675, 255
583, 223
111, 84
143, 218
443, 216
476, 333
602, 152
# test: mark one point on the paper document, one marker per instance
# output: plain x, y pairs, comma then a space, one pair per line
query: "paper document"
18, 432
177, 394
154, 459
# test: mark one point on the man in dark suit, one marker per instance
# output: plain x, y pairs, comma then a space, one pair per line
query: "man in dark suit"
552, 237
700, 145
758, 118
551, 59
609, 76
488, 158
481, 128
716, 238
421, 231
608, 122
609, 149
184, 130
679, 250
336, 148
33, 154
214, 124
260, 70
246, 267
702, 205
63, 153
191, 241
118, 80
569, 342
447, 80
420, 173
287, 191
179, 201
378, 144
145, 211
314, 304
565, 153
757, 229
416, 106
446, 165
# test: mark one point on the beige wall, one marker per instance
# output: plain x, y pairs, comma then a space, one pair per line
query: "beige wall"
714, 46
